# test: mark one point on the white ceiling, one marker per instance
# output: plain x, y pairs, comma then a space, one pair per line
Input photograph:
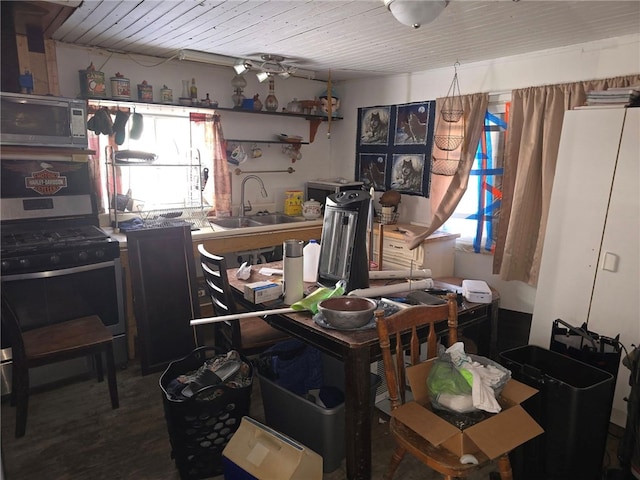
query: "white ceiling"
352, 38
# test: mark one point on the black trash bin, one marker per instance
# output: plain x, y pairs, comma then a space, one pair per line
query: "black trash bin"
202, 425
572, 406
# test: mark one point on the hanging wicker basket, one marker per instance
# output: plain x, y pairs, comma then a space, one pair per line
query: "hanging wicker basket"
448, 142
451, 115
445, 166
449, 132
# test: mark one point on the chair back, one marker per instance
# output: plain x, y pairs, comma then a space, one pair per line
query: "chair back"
214, 269
11, 329
403, 329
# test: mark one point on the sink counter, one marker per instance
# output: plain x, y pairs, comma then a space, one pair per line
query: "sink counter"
245, 238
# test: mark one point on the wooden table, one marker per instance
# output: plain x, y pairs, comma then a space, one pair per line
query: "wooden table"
358, 349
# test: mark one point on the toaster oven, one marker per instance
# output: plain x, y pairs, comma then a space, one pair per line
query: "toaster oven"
319, 190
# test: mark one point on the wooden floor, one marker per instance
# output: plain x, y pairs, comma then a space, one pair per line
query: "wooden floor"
73, 434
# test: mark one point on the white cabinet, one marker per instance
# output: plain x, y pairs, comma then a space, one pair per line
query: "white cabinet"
590, 263
436, 252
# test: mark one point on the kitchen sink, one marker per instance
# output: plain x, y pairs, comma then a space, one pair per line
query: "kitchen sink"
254, 221
275, 218
235, 222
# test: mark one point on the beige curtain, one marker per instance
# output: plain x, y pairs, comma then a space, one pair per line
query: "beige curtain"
446, 191
533, 139
207, 137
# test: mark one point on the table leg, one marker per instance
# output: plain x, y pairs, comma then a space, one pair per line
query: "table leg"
493, 342
358, 414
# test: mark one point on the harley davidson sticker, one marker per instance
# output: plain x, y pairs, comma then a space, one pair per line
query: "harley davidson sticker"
46, 182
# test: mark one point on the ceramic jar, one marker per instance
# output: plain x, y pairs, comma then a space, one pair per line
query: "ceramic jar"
311, 209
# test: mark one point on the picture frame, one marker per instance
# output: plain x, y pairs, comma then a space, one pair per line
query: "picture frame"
394, 146
372, 170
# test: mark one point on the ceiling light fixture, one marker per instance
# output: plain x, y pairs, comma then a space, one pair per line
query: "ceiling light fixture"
415, 13
262, 76
241, 66
204, 57
271, 64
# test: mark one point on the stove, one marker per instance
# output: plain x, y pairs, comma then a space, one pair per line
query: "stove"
56, 263
34, 247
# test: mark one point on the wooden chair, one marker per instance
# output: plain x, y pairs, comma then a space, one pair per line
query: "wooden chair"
248, 335
400, 327
50, 344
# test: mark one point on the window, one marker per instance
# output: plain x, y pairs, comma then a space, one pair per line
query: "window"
173, 179
476, 216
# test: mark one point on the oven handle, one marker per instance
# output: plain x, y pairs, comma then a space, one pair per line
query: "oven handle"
58, 273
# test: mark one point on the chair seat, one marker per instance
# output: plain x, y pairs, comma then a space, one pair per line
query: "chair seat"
56, 340
438, 458
257, 333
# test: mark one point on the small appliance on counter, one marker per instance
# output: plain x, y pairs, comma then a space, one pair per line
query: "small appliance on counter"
319, 190
343, 250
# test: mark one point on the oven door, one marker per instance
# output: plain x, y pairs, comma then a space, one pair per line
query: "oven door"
44, 298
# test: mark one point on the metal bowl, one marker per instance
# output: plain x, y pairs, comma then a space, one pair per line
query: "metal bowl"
347, 312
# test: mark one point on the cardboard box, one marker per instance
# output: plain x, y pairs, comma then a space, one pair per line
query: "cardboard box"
494, 436
257, 451
259, 292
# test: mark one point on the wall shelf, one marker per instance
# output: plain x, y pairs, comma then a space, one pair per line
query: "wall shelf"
314, 120
279, 142
31, 150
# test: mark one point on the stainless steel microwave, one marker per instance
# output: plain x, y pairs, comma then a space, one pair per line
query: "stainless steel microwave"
319, 190
38, 120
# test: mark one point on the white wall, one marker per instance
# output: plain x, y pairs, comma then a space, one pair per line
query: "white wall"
607, 58
335, 156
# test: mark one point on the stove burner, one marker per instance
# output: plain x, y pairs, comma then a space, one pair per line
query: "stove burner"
30, 238
27, 248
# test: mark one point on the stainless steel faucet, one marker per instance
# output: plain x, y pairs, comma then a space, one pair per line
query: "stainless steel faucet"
247, 208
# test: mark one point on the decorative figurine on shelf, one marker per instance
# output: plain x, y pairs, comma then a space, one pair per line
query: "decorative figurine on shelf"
193, 92
238, 82
257, 103
271, 102
324, 103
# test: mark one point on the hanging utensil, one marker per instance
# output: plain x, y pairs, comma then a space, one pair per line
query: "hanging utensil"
204, 176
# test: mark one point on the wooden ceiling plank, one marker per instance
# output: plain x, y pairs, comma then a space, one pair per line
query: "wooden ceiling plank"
69, 29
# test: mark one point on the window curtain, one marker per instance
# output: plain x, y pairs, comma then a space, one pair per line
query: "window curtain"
446, 191
532, 146
208, 139
102, 145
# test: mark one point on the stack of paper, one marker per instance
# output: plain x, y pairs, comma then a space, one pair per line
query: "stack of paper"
627, 96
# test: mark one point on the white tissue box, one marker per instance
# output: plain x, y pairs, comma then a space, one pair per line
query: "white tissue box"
260, 292
476, 291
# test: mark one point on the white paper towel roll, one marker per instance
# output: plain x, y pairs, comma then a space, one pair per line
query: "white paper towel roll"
395, 288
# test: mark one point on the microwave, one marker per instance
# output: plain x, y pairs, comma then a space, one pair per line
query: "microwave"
319, 190
43, 121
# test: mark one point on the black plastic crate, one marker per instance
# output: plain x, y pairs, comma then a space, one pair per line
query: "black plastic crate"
202, 425
573, 406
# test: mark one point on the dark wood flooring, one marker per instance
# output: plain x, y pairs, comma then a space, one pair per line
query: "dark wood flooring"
73, 434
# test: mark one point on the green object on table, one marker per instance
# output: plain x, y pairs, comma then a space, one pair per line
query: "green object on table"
311, 301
